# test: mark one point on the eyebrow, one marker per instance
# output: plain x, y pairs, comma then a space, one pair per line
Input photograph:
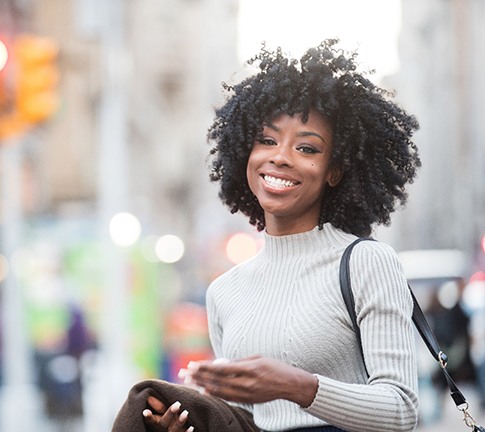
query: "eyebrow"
299, 134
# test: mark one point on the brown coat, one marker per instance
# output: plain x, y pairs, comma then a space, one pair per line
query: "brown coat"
206, 413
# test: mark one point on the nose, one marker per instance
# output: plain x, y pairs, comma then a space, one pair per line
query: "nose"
281, 155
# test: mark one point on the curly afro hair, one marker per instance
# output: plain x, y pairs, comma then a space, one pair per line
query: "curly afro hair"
371, 134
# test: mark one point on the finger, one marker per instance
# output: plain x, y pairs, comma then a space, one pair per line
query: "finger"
156, 404
215, 377
170, 416
250, 358
183, 417
218, 385
193, 366
150, 418
216, 371
147, 414
178, 424
186, 376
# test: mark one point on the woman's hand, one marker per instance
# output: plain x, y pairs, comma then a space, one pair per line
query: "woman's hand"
165, 419
254, 379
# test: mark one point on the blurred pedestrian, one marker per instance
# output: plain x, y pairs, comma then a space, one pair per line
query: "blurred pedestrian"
450, 325
60, 373
314, 154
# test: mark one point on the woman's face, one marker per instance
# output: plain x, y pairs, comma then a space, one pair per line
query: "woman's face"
288, 170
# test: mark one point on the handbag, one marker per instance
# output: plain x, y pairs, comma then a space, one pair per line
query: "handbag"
421, 325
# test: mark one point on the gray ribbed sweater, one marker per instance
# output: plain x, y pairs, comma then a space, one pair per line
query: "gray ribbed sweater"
285, 303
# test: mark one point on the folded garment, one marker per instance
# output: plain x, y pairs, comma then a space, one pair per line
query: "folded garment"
206, 413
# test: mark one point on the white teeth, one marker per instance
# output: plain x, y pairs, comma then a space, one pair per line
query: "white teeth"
277, 182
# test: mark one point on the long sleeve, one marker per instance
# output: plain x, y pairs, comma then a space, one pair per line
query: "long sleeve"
384, 307
286, 304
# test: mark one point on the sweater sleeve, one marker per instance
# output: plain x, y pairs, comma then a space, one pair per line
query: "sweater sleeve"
388, 401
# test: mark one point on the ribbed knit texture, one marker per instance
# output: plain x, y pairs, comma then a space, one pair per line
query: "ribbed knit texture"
286, 304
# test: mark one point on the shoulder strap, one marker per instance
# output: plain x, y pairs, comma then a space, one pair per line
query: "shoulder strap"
345, 288
419, 320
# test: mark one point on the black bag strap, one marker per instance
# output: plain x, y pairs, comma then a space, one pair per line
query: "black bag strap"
420, 323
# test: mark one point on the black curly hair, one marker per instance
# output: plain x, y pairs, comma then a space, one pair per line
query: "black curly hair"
371, 134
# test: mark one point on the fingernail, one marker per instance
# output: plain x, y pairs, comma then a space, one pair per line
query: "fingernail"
183, 373
190, 429
175, 407
146, 413
192, 366
221, 360
183, 416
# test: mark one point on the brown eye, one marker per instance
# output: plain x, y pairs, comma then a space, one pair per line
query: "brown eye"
308, 149
266, 141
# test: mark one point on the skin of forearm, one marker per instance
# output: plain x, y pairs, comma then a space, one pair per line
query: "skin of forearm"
302, 387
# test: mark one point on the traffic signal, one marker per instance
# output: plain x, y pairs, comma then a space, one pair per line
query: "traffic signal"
36, 78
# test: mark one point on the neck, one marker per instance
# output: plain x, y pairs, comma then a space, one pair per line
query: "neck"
279, 227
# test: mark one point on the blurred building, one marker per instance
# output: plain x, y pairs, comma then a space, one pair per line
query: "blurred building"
138, 83
171, 63
171, 59
440, 81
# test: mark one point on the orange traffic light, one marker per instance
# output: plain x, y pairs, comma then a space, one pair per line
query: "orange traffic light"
11, 124
37, 77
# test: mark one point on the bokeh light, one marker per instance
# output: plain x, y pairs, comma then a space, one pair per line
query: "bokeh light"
169, 248
3, 55
474, 294
449, 294
125, 229
240, 247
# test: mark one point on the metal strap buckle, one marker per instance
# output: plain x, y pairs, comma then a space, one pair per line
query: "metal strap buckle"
443, 359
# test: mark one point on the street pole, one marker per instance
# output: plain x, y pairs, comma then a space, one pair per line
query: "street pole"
108, 386
19, 397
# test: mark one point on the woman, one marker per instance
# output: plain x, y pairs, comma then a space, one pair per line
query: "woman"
314, 154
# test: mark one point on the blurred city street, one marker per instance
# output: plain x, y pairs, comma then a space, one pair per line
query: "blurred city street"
451, 419
111, 230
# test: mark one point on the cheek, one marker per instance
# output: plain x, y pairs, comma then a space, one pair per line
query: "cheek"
250, 174
321, 180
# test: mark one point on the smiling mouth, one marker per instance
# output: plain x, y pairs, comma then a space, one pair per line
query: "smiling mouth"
277, 182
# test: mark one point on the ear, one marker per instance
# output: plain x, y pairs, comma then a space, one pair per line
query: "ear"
335, 176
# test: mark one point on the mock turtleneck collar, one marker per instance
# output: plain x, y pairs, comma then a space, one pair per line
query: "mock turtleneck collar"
307, 242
